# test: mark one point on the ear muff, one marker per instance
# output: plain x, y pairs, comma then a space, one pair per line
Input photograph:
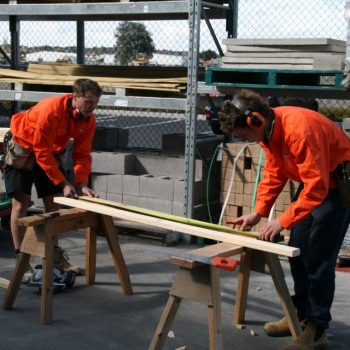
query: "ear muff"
76, 113
255, 120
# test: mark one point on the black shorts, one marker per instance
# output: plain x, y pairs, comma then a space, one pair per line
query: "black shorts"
21, 181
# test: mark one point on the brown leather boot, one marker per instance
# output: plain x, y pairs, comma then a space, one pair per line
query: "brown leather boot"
279, 328
311, 339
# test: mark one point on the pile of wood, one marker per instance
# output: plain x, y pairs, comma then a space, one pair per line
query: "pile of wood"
137, 78
321, 53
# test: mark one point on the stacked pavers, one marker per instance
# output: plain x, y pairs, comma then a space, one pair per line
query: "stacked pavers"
249, 171
149, 181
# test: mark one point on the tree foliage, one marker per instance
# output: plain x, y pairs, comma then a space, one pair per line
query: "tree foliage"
208, 54
132, 41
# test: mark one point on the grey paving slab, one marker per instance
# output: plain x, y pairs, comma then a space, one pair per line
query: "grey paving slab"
101, 317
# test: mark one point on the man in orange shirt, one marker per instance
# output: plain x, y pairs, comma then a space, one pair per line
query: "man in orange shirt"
40, 136
305, 146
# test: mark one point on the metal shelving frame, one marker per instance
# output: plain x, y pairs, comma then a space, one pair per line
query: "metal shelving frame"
192, 10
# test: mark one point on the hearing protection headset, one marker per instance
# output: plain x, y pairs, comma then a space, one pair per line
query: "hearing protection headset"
254, 119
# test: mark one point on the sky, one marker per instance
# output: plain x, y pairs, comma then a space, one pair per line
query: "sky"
257, 19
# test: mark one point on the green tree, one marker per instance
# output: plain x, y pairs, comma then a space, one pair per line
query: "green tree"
208, 54
132, 40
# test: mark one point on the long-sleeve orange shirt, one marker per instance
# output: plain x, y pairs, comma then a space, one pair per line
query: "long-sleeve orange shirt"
306, 147
46, 129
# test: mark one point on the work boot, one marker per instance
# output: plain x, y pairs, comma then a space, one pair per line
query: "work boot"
312, 338
279, 328
61, 260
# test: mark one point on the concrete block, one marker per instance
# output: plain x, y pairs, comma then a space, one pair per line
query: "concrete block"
198, 190
146, 163
112, 163
115, 197
346, 124
37, 202
131, 185
115, 184
105, 139
199, 212
162, 205
160, 187
2, 185
99, 182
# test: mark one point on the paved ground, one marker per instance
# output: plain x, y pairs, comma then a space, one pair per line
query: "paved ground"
101, 317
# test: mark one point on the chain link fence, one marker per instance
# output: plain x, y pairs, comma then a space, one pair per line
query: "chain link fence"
56, 41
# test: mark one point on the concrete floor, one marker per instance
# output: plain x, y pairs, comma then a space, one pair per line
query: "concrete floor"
101, 317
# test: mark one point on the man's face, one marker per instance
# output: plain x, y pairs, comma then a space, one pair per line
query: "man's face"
86, 104
248, 134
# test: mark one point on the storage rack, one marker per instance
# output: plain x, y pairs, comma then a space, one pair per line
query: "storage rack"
192, 10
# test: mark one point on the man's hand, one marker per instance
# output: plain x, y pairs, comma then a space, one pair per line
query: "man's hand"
68, 190
247, 221
84, 189
271, 230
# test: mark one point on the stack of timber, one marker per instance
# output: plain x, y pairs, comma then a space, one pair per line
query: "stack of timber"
155, 78
318, 53
248, 173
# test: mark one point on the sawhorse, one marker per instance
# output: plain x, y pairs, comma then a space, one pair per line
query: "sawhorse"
200, 282
39, 241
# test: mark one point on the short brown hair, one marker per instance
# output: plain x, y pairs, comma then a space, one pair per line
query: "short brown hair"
82, 86
233, 115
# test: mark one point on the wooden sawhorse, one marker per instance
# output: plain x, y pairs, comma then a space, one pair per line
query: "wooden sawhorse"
39, 241
201, 282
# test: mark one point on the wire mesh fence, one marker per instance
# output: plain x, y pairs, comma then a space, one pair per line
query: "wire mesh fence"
165, 44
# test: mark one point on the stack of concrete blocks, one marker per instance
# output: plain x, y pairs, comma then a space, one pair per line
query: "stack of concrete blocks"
248, 171
346, 126
347, 53
286, 53
149, 181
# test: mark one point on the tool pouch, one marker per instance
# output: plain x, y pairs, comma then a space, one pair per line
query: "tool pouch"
19, 157
342, 177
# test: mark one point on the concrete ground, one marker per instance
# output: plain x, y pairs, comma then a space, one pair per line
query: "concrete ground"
101, 317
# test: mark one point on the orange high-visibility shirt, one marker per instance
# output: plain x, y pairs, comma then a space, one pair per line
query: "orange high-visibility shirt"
46, 129
306, 147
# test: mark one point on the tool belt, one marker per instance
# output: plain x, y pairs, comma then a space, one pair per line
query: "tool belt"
17, 156
342, 176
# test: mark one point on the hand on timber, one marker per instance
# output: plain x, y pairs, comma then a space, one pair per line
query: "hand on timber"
85, 190
271, 231
69, 190
246, 222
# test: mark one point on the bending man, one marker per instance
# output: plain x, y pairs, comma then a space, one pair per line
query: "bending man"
40, 136
305, 146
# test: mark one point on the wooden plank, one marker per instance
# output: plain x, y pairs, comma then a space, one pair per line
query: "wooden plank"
107, 71
171, 217
180, 227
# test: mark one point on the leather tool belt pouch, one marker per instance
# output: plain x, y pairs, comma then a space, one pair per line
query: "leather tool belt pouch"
19, 157
342, 177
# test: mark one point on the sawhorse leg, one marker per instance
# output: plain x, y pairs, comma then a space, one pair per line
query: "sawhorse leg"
15, 281
39, 241
248, 259
201, 284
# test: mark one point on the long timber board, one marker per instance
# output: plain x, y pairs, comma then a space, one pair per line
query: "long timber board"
225, 237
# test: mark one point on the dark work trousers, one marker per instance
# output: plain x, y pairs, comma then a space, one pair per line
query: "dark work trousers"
319, 237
